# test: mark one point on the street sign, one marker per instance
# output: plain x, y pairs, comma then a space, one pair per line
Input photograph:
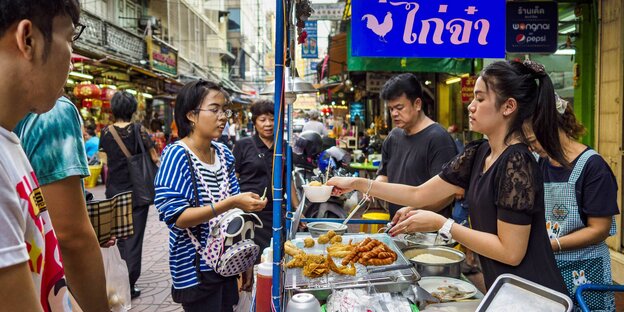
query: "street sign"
532, 27
431, 28
327, 11
309, 49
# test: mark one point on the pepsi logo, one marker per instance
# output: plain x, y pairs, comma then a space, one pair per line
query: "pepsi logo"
520, 38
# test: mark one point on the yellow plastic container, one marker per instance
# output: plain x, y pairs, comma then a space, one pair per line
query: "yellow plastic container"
91, 180
382, 216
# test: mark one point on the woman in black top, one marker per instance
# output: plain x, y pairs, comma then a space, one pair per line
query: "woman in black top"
503, 185
123, 105
254, 167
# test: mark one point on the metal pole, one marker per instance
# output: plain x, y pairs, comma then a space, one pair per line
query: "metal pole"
289, 113
277, 164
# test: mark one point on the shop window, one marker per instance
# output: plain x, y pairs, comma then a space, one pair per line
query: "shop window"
129, 13
234, 20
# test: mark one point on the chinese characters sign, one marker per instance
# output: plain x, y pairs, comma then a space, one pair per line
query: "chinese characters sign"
428, 28
467, 88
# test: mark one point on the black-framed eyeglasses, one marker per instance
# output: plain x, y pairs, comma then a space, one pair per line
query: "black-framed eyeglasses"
217, 111
78, 29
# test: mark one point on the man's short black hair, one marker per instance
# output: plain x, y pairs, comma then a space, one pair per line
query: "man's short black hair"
401, 84
261, 107
189, 99
40, 12
123, 105
90, 130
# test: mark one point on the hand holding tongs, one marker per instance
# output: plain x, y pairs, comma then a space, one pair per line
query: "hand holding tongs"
357, 207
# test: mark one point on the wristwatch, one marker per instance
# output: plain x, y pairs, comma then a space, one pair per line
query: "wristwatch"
445, 231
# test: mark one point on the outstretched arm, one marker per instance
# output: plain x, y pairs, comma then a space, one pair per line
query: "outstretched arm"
508, 246
429, 193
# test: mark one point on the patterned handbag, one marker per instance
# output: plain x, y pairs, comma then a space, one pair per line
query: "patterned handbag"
112, 216
230, 249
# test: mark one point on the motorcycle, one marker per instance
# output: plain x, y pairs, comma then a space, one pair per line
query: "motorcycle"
311, 159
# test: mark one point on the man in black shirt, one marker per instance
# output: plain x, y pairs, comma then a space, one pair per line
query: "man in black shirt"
418, 147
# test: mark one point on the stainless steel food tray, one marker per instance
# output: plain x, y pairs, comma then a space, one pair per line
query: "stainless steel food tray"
533, 293
392, 281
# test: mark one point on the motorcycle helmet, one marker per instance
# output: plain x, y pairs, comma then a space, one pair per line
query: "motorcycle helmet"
309, 144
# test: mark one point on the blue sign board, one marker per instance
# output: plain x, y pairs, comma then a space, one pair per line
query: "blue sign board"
356, 109
313, 66
309, 49
532, 27
428, 28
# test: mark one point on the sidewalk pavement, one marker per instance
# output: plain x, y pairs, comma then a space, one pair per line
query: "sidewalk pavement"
155, 280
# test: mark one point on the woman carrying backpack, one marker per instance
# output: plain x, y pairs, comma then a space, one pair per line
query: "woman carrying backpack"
195, 184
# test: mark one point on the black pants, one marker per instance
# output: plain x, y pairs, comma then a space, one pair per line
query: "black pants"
131, 248
215, 294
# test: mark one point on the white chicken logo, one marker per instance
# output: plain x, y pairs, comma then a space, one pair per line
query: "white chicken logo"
382, 29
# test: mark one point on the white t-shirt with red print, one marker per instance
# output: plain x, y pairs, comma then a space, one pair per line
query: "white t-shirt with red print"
26, 233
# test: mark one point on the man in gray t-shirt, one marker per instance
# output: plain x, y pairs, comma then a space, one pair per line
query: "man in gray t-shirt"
314, 124
418, 147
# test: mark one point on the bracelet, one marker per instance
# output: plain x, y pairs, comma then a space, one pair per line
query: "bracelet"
370, 185
214, 212
558, 244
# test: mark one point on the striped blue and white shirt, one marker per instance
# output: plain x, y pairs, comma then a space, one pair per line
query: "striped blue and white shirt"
174, 194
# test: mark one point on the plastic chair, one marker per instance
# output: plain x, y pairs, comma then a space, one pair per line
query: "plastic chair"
382, 217
593, 287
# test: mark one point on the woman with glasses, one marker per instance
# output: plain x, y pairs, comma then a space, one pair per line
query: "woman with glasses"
200, 116
123, 105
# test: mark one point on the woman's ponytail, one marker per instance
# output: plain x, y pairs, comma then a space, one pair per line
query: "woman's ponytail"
545, 123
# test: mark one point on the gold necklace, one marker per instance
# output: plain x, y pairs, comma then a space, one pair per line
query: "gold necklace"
200, 153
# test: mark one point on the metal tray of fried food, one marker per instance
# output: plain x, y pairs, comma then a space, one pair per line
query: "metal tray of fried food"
391, 281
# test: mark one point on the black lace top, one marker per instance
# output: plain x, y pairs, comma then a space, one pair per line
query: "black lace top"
511, 190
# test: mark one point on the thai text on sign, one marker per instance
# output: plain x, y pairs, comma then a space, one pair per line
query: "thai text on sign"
431, 28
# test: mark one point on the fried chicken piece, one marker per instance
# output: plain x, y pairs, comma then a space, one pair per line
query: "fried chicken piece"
314, 270
308, 242
368, 247
377, 261
298, 261
373, 253
385, 254
331, 234
349, 258
336, 239
315, 259
323, 239
291, 250
364, 242
339, 253
344, 270
340, 247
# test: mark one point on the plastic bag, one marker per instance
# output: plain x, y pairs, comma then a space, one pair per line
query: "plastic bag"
244, 302
117, 281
